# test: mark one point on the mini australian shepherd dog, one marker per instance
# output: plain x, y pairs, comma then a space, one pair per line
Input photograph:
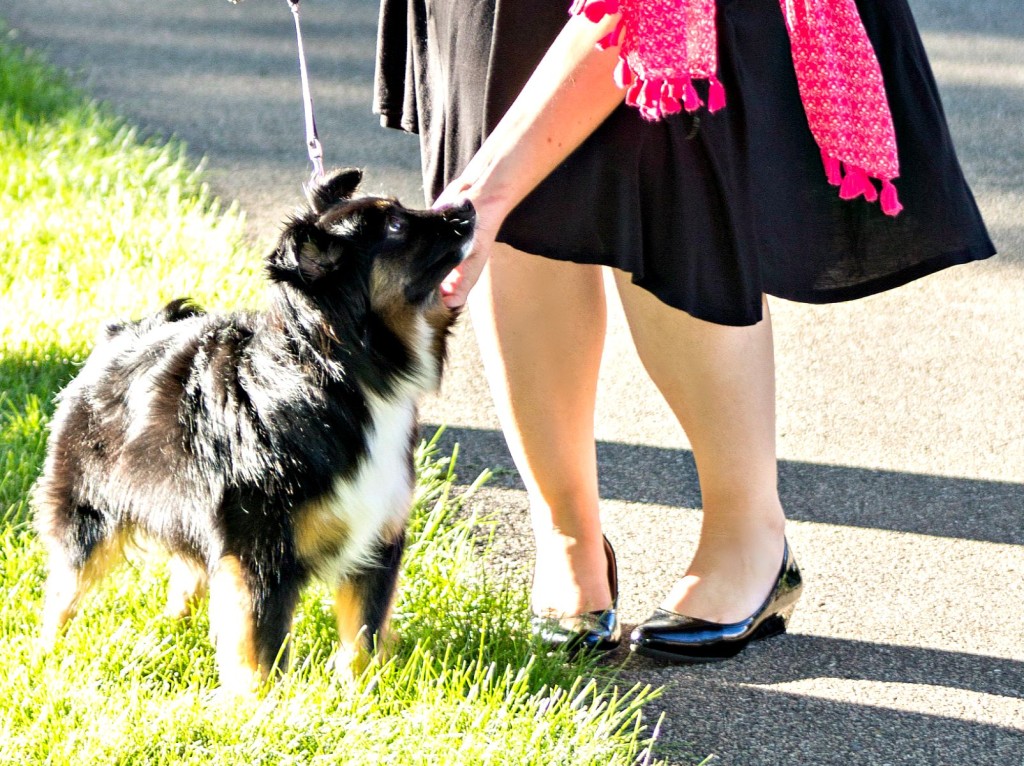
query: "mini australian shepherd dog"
262, 448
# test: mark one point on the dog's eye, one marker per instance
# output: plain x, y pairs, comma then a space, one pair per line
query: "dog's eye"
396, 225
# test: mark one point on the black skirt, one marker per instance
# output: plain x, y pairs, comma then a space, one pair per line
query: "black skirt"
708, 212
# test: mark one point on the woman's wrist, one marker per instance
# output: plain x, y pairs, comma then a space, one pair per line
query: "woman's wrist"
493, 201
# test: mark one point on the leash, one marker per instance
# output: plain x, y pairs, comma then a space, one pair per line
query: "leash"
313, 147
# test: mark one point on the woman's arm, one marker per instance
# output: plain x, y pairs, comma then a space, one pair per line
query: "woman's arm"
567, 97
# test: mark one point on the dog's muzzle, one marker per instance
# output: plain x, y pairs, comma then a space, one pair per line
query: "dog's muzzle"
462, 217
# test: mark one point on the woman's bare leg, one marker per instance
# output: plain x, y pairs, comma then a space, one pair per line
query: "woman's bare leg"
720, 383
540, 324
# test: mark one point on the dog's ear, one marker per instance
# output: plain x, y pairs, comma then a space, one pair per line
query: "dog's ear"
300, 256
283, 262
336, 187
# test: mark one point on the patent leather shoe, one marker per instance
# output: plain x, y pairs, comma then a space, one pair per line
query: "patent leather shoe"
597, 631
677, 638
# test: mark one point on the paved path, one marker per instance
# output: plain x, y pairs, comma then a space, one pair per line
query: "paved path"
901, 417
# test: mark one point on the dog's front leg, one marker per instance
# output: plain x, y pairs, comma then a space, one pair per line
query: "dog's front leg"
362, 606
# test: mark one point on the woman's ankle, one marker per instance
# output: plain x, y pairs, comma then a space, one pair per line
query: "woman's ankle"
732, 571
570, 574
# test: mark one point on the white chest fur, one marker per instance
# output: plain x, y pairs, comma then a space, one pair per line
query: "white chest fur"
376, 499
336, 534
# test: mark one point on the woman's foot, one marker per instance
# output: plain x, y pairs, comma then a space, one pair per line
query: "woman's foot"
677, 638
593, 630
731, 574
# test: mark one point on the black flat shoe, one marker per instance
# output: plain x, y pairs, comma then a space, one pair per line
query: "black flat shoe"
676, 638
591, 631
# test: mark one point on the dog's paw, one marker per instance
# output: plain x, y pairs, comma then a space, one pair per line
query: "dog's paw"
350, 662
46, 643
241, 682
354, 660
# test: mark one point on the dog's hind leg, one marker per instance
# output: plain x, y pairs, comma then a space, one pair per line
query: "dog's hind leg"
362, 606
80, 550
249, 622
232, 627
187, 584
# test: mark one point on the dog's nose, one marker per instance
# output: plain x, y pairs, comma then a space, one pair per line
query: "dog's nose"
462, 216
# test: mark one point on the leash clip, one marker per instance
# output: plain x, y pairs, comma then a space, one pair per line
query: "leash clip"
316, 156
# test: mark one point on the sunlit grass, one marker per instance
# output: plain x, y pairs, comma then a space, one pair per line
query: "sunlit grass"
95, 224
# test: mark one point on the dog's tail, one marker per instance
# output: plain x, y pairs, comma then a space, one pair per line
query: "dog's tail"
178, 309
175, 311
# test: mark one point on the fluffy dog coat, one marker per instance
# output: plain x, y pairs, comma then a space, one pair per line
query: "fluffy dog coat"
262, 448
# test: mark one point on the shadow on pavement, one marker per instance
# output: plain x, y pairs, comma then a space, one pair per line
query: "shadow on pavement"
798, 657
729, 710
941, 506
748, 725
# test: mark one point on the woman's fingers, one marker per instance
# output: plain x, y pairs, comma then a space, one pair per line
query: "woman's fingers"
489, 215
456, 286
454, 193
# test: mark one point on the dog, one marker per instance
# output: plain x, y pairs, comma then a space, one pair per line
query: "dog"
262, 448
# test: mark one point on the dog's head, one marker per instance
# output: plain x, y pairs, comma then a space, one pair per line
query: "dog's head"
369, 246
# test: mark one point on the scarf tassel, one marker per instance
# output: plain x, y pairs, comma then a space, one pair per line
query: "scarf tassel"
856, 183
623, 74
633, 92
691, 101
663, 96
671, 90
613, 38
649, 99
833, 169
594, 10
646, 96
716, 94
890, 200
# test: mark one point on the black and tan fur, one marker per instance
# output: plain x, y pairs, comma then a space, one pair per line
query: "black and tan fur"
262, 448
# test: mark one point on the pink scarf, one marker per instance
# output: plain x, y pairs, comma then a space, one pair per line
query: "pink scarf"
665, 44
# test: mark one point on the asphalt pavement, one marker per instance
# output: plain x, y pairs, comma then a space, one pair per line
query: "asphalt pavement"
901, 416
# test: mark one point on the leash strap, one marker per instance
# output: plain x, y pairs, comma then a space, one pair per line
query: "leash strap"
313, 147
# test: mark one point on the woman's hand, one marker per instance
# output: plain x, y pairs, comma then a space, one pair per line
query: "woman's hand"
489, 217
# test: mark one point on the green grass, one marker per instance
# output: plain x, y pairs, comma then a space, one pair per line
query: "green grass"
95, 223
